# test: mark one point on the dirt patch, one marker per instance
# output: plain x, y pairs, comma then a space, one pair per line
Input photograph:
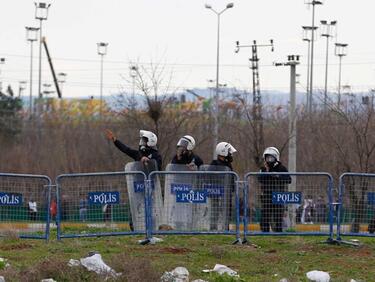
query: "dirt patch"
173, 250
19, 246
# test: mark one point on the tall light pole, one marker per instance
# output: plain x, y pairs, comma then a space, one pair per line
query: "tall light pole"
21, 87
216, 116
61, 79
340, 51
328, 32
133, 74
313, 3
2, 62
102, 51
31, 36
306, 36
41, 14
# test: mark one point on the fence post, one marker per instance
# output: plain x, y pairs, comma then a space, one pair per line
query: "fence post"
148, 207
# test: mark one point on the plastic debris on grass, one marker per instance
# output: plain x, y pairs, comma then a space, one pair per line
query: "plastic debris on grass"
318, 276
48, 280
152, 241
179, 274
94, 263
222, 269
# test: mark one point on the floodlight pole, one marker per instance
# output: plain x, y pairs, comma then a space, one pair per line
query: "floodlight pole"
313, 3
216, 115
328, 34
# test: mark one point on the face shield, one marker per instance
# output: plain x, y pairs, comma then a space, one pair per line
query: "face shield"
143, 141
270, 159
182, 143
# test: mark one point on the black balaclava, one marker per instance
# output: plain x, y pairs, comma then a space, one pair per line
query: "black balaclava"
270, 160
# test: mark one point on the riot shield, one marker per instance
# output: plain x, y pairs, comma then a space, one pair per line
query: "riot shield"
220, 197
178, 212
136, 192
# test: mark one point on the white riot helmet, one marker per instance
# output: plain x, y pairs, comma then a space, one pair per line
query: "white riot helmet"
273, 152
224, 149
187, 141
152, 139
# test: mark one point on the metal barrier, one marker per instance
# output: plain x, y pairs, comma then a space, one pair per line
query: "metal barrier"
25, 205
292, 203
196, 202
356, 216
100, 204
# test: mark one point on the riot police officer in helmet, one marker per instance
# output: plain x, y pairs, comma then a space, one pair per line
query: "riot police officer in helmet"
270, 212
185, 154
147, 149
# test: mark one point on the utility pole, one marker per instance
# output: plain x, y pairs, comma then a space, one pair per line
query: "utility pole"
293, 61
258, 141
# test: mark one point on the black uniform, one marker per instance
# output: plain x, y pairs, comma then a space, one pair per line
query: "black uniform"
188, 159
222, 163
137, 155
272, 183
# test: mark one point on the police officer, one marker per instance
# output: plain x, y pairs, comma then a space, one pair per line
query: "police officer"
147, 147
224, 155
185, 154
272, 183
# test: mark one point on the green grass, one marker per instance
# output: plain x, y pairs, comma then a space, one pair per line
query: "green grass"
273, 259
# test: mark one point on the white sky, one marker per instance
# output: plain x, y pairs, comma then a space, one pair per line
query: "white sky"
182, 34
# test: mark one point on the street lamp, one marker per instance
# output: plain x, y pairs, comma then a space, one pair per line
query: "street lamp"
328, 32
216, 116
306, 36
340, 51
2, 62
31, 36
21, 87
41, 14
102, 51
133, 69
313, 3
61, 79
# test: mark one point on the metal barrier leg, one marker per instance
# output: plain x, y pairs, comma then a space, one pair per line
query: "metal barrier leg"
148, 212
238, 237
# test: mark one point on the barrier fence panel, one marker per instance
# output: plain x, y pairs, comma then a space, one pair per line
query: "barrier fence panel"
99, 204
197, 202
288, 204
24, 205
356, 215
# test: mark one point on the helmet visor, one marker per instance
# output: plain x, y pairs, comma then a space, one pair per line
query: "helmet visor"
182, 143
143, 141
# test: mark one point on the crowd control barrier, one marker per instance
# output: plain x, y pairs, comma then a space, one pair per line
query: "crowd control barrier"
101, 204
356, 215
294, 203
195, 202
25, 205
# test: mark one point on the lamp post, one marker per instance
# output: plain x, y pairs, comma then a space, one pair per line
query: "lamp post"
306, 36
2, 62
328, 31
102, 51
31, 36
216, 115
313, 3
340, 51
61, 79
41, 14
133, 74
21, 87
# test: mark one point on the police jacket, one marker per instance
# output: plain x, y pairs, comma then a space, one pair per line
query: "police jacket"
137, 155
274, 183
191, 158
220, 162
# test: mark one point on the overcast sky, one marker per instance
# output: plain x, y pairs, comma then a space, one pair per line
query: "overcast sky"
182, 35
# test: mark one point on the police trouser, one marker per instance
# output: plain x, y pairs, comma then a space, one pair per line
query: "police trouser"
271, 213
